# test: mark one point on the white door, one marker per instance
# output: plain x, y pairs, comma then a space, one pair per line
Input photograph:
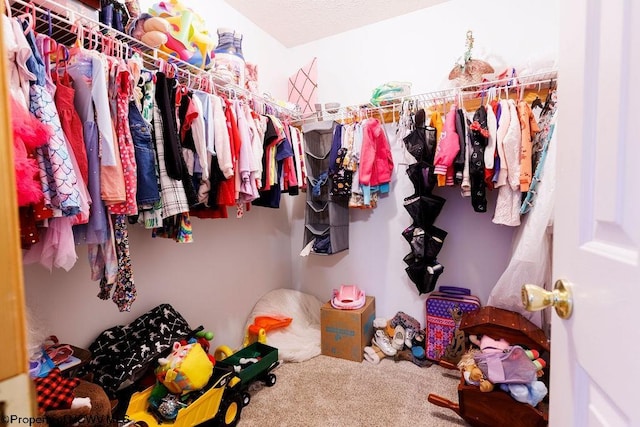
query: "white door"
595, 369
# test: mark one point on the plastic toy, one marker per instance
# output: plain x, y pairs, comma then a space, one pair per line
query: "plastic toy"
187, 368
348, 297
263, 324
219, 401
252, 363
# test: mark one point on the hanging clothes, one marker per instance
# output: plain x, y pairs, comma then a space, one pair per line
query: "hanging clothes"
151, 213
531, 258
247, 167
460, 160
376, 161
479, 140
19, 55
540, 148
174, 199
58, 179
123, 92
447, 150
490, 149
507, 210
70, 120
529, 128
105, 181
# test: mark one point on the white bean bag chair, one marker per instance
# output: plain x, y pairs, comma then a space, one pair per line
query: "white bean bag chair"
300, 340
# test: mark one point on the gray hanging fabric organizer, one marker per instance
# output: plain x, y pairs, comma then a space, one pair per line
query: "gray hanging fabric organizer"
326, 216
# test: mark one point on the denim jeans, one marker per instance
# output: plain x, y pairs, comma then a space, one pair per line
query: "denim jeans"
147, 191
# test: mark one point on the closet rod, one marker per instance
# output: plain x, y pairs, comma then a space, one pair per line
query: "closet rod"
57, 21
443, 96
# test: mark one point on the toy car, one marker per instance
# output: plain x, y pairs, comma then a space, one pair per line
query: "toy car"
222, 399
252, 363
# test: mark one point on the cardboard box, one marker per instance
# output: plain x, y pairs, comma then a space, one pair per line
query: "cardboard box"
345, 333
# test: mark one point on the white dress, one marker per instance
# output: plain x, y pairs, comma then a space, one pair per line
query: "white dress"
509, 195
531, 259
18, 51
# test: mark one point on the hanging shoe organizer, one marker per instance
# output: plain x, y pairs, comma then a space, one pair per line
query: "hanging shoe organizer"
326, 216
423, 206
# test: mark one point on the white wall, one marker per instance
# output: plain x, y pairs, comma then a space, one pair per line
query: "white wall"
214, 281
420, 47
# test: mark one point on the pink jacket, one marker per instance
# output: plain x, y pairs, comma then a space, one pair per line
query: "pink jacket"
376, 162
448, 148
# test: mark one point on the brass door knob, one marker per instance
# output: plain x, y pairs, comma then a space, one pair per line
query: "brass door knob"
535, 298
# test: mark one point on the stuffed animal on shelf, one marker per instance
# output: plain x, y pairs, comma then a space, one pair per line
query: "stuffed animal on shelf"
187, 38
150, 30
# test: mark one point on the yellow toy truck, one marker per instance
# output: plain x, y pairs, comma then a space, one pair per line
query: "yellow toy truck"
220, 402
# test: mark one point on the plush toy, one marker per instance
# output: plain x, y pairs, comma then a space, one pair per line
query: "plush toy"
530, 392
488, 344
65, 401
187, 368
472, 373
150, 30
187, 37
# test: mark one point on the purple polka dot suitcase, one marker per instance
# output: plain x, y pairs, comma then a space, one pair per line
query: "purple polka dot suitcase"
444, 309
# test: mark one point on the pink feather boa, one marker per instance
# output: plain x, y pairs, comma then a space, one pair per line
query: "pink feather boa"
28, 133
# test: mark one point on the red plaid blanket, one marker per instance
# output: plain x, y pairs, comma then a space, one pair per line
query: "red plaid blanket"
54, 391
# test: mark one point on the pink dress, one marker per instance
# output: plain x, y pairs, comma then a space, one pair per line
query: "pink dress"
125, 142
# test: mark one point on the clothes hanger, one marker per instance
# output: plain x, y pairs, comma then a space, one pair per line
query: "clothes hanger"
49, 23
548, 100
537, 103
7, 8
29, 17
161, 66
61, 60
79, 30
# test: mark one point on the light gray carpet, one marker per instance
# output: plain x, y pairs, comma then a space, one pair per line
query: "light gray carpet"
326, 391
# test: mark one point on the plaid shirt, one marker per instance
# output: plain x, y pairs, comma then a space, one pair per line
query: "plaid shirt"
174, 198
54, 391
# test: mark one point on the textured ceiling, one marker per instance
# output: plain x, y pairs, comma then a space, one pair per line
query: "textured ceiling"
294, 22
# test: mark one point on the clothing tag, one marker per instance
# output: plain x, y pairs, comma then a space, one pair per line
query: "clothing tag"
307, 249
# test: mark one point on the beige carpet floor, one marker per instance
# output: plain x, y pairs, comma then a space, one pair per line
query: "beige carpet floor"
327, 391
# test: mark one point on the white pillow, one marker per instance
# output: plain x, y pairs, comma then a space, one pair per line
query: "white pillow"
300, 340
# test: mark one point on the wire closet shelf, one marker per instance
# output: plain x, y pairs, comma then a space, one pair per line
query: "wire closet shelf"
65, 25
508, 85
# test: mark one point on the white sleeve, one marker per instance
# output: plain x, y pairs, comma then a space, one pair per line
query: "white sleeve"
221, 140
199, 137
